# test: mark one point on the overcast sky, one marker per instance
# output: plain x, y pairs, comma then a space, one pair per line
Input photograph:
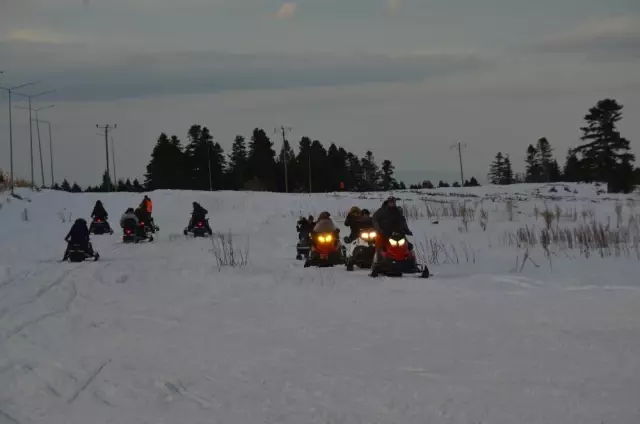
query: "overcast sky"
404, 78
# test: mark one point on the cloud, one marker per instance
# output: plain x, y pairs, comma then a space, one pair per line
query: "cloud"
83, 72
35, 36
613, 38
287, 10
393, 4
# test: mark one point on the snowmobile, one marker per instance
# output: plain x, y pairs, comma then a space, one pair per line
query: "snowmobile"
133, 234
359, 252
303, 247
397, 259
200, 228
326, 251
100, 226
78, 254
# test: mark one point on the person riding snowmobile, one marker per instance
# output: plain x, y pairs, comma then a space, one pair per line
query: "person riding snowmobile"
99, 211
357, 221
143, 216
304, 226
325, 225
79, 235
387, 220
147, 206
199, 214
129, 215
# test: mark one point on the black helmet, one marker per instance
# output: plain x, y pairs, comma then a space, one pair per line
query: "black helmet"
130, 210
366, 212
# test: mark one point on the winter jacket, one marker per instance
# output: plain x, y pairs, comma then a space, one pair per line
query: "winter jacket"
199, 212
147, 205
388, 220
325, 225
127, 216
79, 233
99, 212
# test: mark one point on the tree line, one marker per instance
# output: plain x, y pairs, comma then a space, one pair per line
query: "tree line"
253, 164
604, 156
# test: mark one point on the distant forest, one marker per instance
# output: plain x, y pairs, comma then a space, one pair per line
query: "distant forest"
604, 156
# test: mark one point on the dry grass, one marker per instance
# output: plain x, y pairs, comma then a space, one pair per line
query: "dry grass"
226, 253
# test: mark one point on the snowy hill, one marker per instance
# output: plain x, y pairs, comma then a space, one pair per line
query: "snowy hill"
533, 317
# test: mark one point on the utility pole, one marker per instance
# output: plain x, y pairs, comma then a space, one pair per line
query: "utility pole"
50, 150
460, 146
209, 158
285, 155
107, 129
9, 91
39, 140
309, 172
29, 98
113, 159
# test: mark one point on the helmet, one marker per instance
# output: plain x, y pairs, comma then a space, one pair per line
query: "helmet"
355, 210
324, 215
129, 210
366, 212
310, 218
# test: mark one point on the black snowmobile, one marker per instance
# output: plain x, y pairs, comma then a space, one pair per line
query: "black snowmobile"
100, 226
77, 253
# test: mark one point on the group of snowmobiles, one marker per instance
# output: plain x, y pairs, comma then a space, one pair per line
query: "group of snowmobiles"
137, 226
374, 243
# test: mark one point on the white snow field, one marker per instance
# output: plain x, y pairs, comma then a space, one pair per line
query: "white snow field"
161, 333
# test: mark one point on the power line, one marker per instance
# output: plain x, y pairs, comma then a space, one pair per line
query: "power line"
107, 129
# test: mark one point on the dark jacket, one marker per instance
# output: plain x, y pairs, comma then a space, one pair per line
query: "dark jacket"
304, 227
128, 216
143, 216
99, 211
199, 212
357, 224
388, 220
79, 232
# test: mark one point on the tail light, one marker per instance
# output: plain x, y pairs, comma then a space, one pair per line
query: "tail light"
98, 220
200, 224
141, 223
127, 231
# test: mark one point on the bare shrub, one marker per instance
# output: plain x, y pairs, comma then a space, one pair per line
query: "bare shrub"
509, 207
618, 209
548, 217
226, 253
65, 218
484, 219
435, 252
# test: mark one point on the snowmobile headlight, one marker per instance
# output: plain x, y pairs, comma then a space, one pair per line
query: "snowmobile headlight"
328, 238
393, 242
365, 236
372, 234
321, 239
325, 238
401, 242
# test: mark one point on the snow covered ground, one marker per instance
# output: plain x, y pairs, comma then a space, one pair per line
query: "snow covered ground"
511, 329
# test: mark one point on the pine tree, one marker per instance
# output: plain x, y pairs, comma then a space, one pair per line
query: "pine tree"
606, 154
496, 170
204, 160
137, 187
371, 171
355, 173
428, 185
572, 168
506, 172
318, 168
533, 170
121, 185
545, 158
166, 169
237, 170
337, 163
555, 174
128, 186
75, 188
388, 182
106, 182
473, 182
261, 163
302, 164
65, 185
